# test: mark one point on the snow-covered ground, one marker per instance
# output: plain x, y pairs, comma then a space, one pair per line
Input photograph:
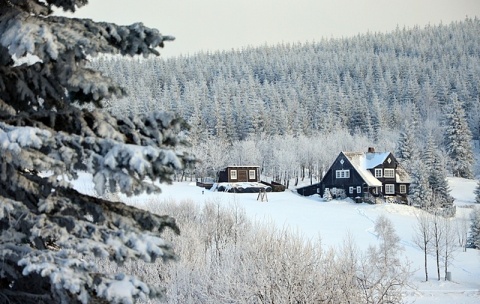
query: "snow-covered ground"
333, 220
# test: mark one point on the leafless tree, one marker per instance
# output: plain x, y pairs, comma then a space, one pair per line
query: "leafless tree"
449, 246
438, 235
423, 236
381, 275
462, 227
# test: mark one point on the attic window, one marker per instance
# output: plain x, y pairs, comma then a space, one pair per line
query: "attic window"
342, 174
389, 173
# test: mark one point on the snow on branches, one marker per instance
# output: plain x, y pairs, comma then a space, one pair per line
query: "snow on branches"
50, 233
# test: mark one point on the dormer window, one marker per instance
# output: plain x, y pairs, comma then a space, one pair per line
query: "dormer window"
389, 173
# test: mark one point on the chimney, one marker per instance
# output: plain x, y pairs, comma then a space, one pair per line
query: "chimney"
371, 150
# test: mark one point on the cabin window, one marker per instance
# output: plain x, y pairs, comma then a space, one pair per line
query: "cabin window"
359, 189
350, 190
403, 189
389, 189
378, 172
233, 174
251, 174
389, 173
342, 173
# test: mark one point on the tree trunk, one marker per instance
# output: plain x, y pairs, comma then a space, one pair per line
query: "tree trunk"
426, 268
438, 262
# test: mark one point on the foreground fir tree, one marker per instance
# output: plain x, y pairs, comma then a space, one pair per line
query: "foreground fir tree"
49, 231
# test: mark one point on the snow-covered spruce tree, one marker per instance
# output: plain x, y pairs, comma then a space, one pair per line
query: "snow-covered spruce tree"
49, 231
327, 196
477, 193
437, 174
420, 192
406, 147
474, 236
458, 139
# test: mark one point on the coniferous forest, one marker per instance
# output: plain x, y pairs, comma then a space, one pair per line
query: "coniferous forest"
288, 108
292, 107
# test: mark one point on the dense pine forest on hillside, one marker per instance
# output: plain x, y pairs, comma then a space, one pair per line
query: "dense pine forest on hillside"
286, 107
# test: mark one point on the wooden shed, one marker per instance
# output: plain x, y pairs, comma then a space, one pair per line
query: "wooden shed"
237, 174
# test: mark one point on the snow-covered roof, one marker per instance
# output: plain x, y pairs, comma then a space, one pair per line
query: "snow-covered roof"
373, 159
242, 166
361, 163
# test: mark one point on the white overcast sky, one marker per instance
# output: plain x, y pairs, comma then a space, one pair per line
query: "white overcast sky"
201, 25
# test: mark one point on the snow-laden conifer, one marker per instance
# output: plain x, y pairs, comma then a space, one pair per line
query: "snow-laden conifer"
477, 193
437, 179
474, 235
458, 138
50, 232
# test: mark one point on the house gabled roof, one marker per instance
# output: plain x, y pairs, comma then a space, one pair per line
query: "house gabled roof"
360, 162
364, 161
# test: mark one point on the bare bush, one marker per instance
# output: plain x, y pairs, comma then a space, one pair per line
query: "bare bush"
226, 258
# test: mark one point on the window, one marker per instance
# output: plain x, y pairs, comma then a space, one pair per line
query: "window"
251, 174
389, 173
389, 189
378, 172
350, 190
403, 189
359, 189
233, 174
342, 173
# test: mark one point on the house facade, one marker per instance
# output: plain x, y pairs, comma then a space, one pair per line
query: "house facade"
237, 174
367, 176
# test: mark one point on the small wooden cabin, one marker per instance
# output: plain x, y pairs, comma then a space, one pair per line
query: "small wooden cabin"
237, 174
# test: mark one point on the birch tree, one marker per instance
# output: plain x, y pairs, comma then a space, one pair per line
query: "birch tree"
423, 237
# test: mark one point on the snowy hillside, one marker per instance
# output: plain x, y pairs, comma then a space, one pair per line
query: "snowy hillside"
333, 220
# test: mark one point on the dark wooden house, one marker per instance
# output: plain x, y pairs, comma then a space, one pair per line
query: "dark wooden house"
365, 176
237, 174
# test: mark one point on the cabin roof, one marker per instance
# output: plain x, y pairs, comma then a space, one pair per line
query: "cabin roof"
242, 166
360, 163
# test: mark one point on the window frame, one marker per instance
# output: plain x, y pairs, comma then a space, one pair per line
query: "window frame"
233, 174
252, 173
388, 175
403, 189
359, 189
378, 173
342, 173
350, 189
389, 188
